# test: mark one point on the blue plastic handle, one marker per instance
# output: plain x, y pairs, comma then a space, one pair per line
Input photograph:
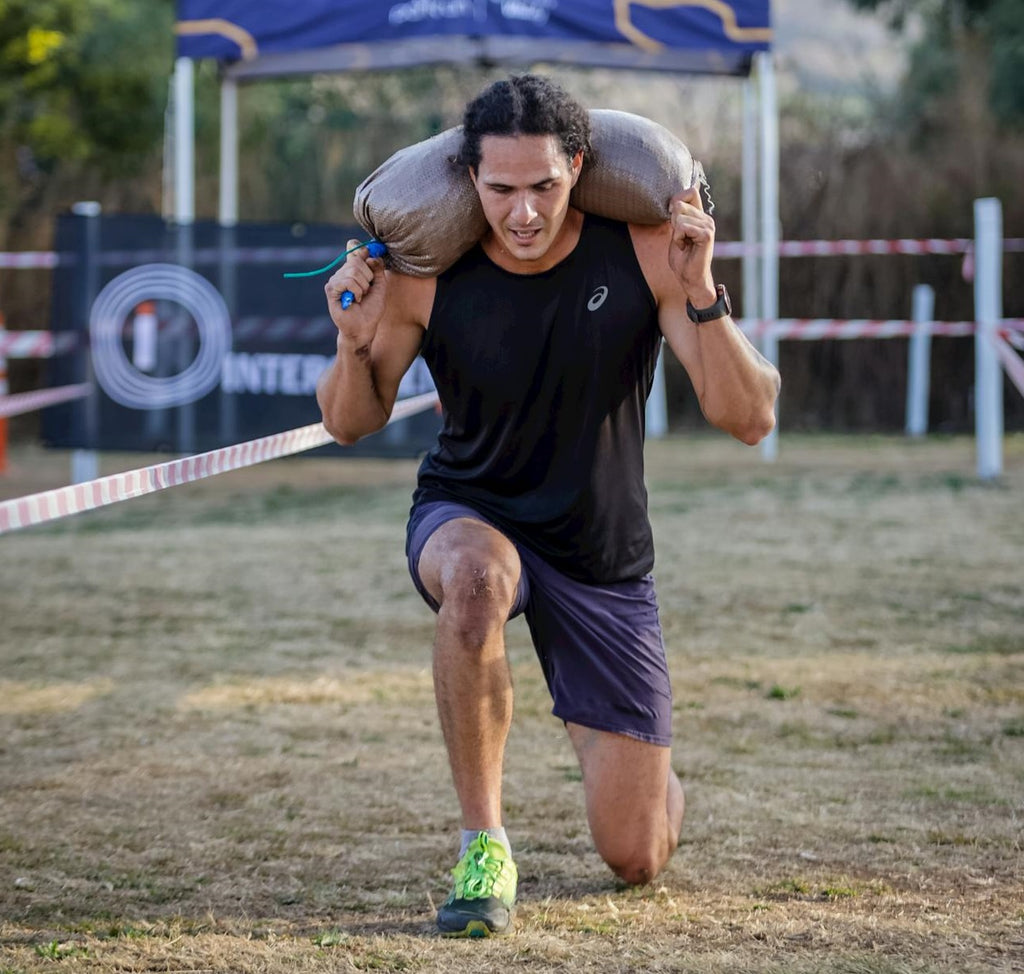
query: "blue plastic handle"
375, 249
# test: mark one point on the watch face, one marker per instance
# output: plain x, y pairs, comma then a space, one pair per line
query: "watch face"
724, 298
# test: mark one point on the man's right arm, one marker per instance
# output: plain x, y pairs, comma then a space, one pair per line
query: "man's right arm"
379, 336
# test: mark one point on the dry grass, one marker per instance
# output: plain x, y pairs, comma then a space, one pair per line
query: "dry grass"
218, 747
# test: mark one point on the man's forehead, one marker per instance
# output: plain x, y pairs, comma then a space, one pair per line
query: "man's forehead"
530, 146
520, 152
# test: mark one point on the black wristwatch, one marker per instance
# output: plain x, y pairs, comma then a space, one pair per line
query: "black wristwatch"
721, 308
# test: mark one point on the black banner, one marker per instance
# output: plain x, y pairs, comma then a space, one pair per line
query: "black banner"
194, 339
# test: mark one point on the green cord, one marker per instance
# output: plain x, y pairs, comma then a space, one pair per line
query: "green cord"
334, 263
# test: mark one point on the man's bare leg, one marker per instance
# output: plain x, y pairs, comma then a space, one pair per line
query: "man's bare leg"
635, 801
472, 570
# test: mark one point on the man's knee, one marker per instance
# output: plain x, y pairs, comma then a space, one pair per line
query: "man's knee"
637, 863
478, 591
635, 801
479, 580
471, 570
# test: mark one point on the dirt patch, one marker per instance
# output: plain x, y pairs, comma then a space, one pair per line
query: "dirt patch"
219, 751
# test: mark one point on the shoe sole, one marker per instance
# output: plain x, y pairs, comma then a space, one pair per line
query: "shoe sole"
476, 929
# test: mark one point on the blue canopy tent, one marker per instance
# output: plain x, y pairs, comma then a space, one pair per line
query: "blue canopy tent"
277, 37
256, 39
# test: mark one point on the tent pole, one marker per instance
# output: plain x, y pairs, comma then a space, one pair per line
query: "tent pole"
184, 141
988, 309
750, 260
227, 217
228, 205
769, 223
182, 350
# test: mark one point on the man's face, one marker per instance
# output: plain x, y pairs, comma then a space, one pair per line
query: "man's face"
524, 183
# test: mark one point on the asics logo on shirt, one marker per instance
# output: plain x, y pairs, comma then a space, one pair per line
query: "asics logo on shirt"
597, 298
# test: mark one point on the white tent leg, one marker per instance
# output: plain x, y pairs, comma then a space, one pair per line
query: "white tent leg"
184, 141
749, 215
769, 222
228, 204
988, 310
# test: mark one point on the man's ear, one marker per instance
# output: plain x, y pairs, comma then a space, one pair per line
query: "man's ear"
472, 174
576, 166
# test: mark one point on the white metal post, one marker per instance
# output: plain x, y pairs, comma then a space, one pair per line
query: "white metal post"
751, 256
988, 310
656, 417
769, 223
227, 214
4, 389
919, 361
184, 216
184, 141
85, 461
228, 203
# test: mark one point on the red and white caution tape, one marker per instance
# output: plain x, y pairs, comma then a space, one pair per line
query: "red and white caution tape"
724, 248
42, 259
23, 512
28, 402
840, 248
809, 329
35, 344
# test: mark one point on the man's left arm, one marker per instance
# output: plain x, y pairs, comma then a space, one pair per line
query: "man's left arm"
736, 386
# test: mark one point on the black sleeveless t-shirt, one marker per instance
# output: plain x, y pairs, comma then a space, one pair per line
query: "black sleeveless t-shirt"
543, 380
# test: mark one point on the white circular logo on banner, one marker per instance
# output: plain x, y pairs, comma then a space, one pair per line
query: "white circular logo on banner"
120, 379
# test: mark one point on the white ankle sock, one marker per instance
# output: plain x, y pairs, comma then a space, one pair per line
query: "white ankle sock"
498, 834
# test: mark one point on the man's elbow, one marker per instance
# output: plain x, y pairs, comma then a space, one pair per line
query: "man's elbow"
343, 435
757, 420
756, 429
749, 427
347, 433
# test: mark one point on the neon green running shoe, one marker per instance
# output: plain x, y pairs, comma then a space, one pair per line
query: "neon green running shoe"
480, 905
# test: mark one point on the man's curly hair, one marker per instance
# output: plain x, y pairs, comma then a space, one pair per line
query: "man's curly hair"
526, 104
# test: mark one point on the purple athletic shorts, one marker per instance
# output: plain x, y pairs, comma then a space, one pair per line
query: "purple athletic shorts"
600, 646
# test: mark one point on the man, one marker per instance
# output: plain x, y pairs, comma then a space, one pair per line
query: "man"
542, 342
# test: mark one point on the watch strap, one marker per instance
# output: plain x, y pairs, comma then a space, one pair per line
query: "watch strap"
720, 309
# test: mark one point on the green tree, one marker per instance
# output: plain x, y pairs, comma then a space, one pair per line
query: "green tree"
956, 39
83, 84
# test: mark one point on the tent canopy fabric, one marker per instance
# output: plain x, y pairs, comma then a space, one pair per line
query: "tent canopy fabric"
267, 38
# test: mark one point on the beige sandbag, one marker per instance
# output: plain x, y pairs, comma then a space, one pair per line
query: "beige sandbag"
422, 204
636, 166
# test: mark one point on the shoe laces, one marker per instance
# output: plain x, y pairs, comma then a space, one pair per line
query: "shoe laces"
479, 871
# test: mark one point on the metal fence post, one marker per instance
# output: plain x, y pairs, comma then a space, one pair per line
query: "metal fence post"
4, 389
988, 310
656, 416
85, 463
919, 361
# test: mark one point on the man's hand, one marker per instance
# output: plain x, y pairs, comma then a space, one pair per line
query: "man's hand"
692, 246
366, 278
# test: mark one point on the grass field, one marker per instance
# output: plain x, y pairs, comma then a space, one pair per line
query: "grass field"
219, 751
